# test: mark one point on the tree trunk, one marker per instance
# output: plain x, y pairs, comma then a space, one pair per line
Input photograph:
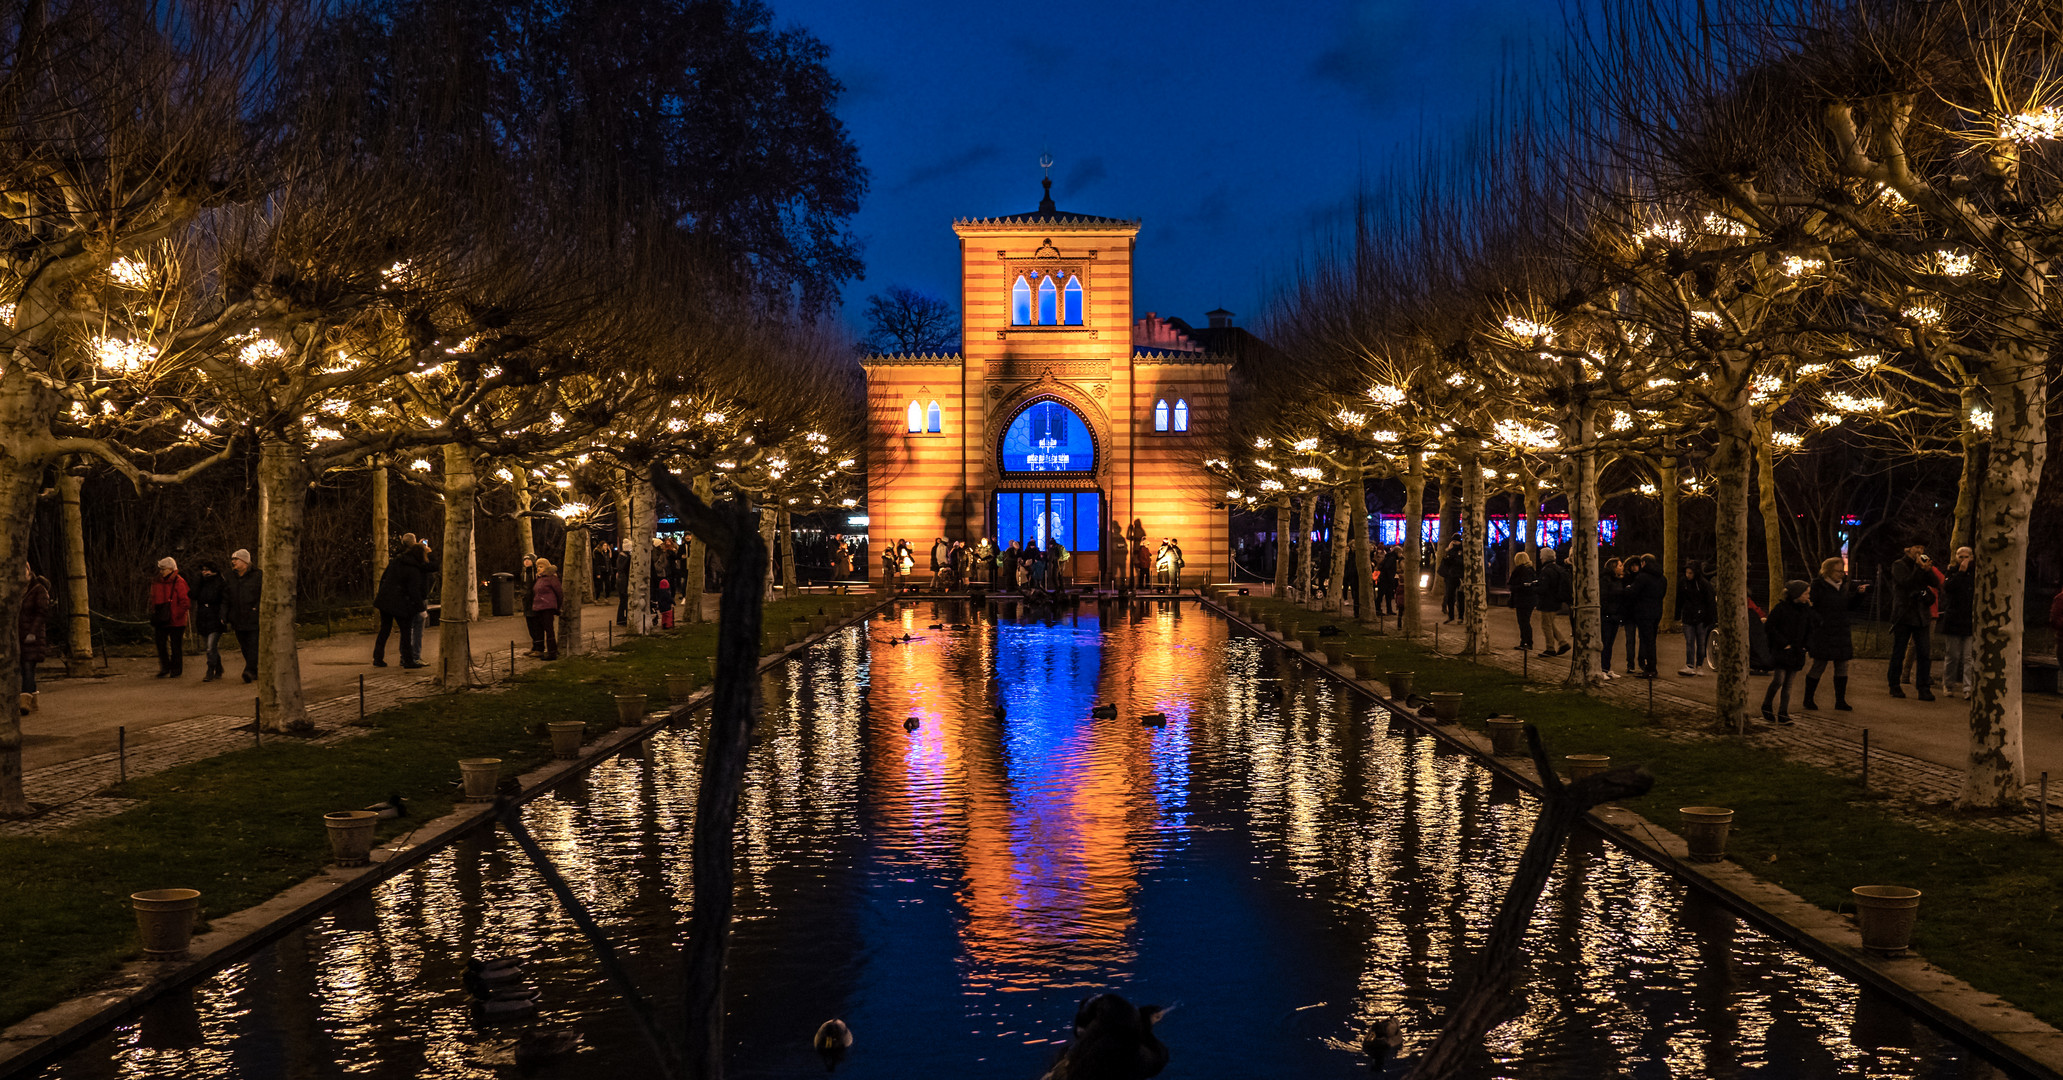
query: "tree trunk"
1306, 525
698, 557
473, 562
577, 576
1357, 496
1475, 542
27, 405
1971, 479
1450, 508
768, 531
283, 481
1772, 529
382, 523
1672, 546
1735, 431
455, 629
1340, 532
78, 600
1414, 542
1532, 482
1282, 549
1585, 632
788, 579
640, 520
731, 719
526, 529
2017, 383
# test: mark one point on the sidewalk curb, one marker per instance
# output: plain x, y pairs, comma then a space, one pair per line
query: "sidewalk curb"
1996, 1028
36, 1041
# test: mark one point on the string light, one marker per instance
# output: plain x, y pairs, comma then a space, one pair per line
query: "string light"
2032, 126
1387, 396
130, 273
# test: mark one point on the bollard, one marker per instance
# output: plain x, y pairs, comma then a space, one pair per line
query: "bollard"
361, 699
122, 753
1866, 759
512, 659
258, 720
2045, 806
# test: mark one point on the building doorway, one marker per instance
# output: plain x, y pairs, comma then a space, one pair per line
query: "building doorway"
1074, 518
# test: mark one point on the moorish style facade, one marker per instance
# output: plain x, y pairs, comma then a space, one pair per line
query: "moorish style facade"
1050, 421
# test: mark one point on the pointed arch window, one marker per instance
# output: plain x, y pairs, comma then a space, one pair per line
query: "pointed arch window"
1181, 414
1072, 313
1048, 297
933, 419
1020, 302
916, 415
1160, 415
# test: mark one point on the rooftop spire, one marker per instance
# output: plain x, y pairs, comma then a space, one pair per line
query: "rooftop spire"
1046, 163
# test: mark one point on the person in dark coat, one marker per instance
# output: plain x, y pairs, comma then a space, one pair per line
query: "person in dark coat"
210, 600
1613, 613
1958, 621
1008, 578
401, 599
1698, 606
622, 574
1645, 591
170, 603
1833, 597
1789, 627
1523, 599
243, 587
1552, 587
32, 632
1450, 581
1386, 586
1912, 616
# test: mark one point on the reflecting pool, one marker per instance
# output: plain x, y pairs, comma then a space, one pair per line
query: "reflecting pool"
1280, 863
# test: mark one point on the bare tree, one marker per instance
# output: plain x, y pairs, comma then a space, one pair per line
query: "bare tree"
903, 320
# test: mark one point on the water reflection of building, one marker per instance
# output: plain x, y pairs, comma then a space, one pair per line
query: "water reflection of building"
1058, 417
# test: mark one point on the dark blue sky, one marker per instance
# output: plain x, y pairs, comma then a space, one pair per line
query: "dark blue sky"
1235, 131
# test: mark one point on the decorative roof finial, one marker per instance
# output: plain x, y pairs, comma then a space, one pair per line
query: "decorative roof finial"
1046, 163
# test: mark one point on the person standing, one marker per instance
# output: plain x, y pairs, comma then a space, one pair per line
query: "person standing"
547, 595
1551, 586
1789, 627
401, 599
1170, 564
888, 568
1450, 581
1386, 586
242, 588
1646, 590
604, 569
209, 597
169, 604
1523, 598
1698, 606
1614, 613
1142, 565
1912, 598
1958, 620
32, 632
1831, 643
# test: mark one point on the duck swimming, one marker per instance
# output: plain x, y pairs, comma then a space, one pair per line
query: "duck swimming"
1104, 712
495, 972
1113, 1040
832, 1040
912, 724
1154, 719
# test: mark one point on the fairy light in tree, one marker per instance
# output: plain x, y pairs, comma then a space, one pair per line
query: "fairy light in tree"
1388, 397
562, 483
848, 503
1866, 363
261, 350
1271, 485
1850, 403
1787, 440
1526, 436
1709, 318
1810, 370
130, 273
1720, 225
1235, 493
1305, 472
1386, 436
1763, 387
712, 418
1350, 418
569, 511
1261, 444
1306, 445
1661, 383
1980, 418
1216, 463
1672, 233
1799, 266
1649, 489
420, 465
122, 355
1923, 312
1622, 420
1261, 463
1953, 263
1827, 419
1528, 330
2034, 125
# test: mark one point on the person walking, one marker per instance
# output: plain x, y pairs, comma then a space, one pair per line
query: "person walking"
1646, 589
547, 596
1008, 564
169, 604
402, 597
1958, 621
1614, 612
1450, 581
1552, 587
210, 597
1697, 604
32, 633
888, 567
1386, 585
1912, 599
941, 558
1905, 673
1142, 565
1789, 627
622, 568
1831, 643
1523, 597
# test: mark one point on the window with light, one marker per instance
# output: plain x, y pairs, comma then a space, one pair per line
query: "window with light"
1160, 415
1042, 298
934, 419
1181, 414
916, 413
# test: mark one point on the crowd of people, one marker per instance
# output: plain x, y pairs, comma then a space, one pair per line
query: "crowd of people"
1026, 567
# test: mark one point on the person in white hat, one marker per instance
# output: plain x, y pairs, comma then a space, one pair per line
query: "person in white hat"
245, 586
169, 605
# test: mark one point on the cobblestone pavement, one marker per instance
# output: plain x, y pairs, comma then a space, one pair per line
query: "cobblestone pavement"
73, 791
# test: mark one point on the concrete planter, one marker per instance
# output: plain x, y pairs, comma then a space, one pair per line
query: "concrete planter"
1400, 684
164, 920
1507, 736
819, 623
630, 709
1704, 830
481, 774
1446, 705
1587, 765
1311, 642
712, 669
1886, 914
1335, 654
680, 687
798, 629
566, 738
1365, 668
350, 833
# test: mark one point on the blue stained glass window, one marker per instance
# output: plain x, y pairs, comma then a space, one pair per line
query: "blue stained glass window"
1048, 295
1181, 414
933, 419
1020, 302
1031, 518
1088, 521
1009, 518
1160, 415
1074, 301
916, 417
1048, 437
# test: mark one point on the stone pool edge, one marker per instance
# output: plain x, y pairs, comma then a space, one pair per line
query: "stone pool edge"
1996, 1027
34, 1042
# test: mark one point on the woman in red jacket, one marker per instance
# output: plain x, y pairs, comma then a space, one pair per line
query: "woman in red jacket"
168, 607
546, 595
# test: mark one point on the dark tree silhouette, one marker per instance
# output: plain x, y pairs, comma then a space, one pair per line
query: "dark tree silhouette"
905, 320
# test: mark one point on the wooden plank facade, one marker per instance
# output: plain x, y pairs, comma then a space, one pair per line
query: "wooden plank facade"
1074, 349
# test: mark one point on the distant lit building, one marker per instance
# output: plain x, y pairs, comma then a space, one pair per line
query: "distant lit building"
1059, 417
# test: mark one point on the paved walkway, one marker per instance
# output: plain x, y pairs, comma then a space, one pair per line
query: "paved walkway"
70, 745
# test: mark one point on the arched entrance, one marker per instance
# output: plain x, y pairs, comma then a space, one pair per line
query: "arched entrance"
1046, 462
